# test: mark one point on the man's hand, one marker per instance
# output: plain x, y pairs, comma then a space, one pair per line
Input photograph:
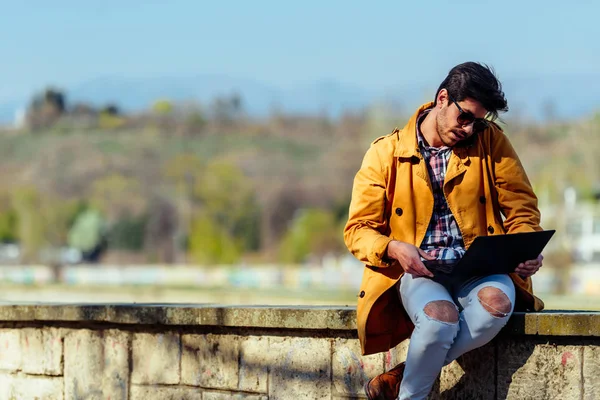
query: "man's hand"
530, 267
409, 257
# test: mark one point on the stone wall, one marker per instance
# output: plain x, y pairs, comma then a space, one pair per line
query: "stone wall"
150, 352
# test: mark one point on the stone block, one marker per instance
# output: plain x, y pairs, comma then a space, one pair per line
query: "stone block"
17, 387
300, 368
165, 393
96, 364
210, 361
231, 396
471, 376
115, 380
156, 358
42, 351
10, 350
531, 370
5, 385
350, 369
254, 364
591, 372
396, 355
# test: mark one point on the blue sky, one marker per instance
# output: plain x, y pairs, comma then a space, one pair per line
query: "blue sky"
287, 43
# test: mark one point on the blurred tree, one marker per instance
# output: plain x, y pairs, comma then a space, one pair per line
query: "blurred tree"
115, 195
313, 233
87, 232
8, 219
111, 109
228, 198
8, 226
45, 108
184, 170
227, 110
209, 243
160, 231
162, 107
127, 233
110, 121
27, 203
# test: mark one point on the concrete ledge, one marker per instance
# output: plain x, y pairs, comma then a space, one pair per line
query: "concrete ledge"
561, 323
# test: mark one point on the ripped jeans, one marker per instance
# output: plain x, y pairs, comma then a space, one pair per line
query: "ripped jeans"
448, 323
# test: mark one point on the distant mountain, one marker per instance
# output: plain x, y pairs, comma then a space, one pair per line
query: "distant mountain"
539, 97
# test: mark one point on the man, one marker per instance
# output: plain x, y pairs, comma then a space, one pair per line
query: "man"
424, 193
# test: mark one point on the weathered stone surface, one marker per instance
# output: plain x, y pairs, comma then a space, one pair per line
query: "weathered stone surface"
42, 351
287, 317
530, 370
156, 358
472, 376
231, 396
83, 364
301, 368
210, 361
569, 324
5, 385
10, 349
350, 369
591, 373
17, 387
523, 323
96, 364
164, 393
115, 380
396, 355
254, 364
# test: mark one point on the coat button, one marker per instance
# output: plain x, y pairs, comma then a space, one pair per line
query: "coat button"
399, 211
414, 160
362, 294
482, 199
490, 229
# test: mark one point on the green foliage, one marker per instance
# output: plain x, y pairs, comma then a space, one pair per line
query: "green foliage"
115, 195
209, 243
30, 230
110, 121
228, 197
8, 226
162, 107
127, 233
312, 232
87, 230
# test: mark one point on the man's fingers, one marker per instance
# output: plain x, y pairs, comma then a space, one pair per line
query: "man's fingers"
425, 255
527, 270
420, 269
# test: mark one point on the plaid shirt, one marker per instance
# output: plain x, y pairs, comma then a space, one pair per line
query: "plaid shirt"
443, 238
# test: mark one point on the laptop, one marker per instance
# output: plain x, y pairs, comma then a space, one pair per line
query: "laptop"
489, 255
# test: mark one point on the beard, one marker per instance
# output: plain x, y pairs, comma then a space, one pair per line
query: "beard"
442, 128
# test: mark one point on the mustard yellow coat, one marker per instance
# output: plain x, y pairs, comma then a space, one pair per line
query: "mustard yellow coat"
392, 199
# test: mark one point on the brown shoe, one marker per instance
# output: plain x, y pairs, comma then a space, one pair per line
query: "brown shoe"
387, 385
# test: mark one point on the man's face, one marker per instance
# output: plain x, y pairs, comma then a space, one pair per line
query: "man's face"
450, 131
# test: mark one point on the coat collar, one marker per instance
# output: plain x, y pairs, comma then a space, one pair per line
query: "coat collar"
407, 138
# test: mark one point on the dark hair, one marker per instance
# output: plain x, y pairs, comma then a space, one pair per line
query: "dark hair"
476, 81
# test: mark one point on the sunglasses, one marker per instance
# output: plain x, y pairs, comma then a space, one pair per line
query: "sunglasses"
467, 118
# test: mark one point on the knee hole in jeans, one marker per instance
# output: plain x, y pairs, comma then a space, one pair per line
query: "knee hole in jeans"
442, 310
494, 301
